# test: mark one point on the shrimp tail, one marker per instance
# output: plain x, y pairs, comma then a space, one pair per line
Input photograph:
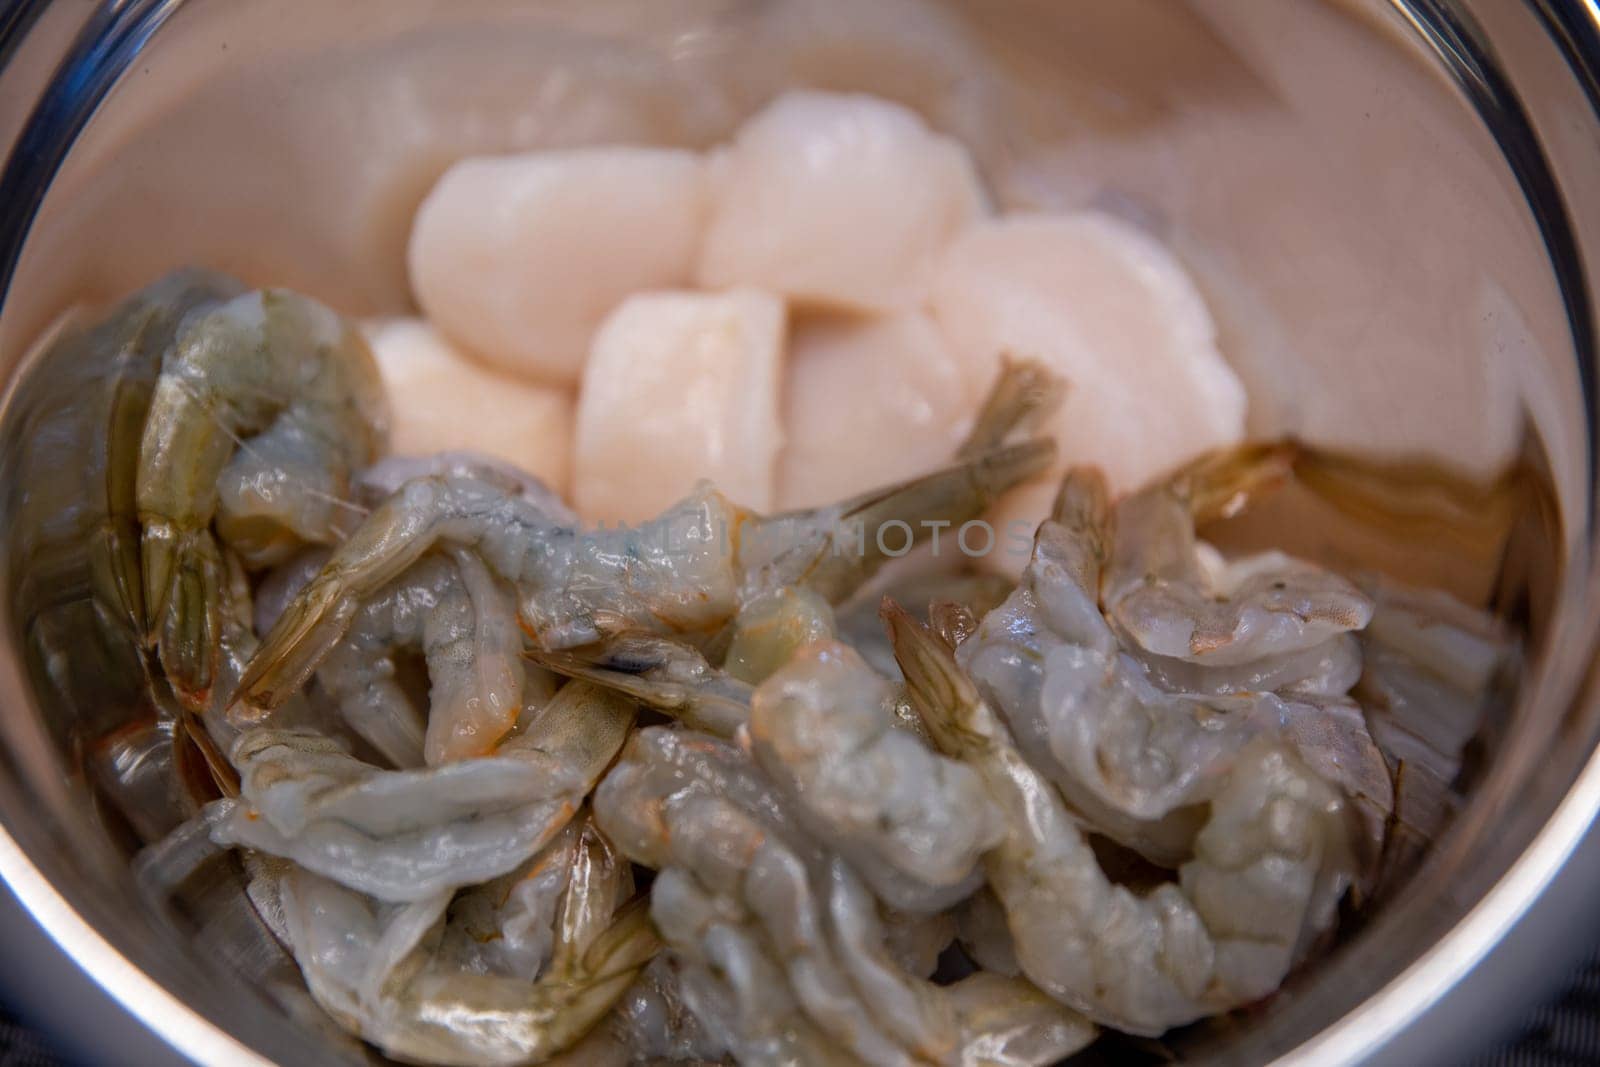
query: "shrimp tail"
1219, 485
943, 696
1023, 394
190, 634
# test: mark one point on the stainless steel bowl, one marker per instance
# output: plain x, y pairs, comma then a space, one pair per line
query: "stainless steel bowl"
1392, 208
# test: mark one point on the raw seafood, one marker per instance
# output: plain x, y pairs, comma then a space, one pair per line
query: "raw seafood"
518, 258
836, 199
865, 402
387, 972
295, 386
717, 357
911, 823
465, 625
785, 941
405, 835
1270, 865
822, 834
441, 400
676, 572
1136, 760
1108, 309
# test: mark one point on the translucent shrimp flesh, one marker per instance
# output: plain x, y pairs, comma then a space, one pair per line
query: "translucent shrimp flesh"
1269, 867
384, 972
404, 835
793, 934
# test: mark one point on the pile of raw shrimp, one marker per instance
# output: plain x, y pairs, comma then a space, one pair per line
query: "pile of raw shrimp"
726, 783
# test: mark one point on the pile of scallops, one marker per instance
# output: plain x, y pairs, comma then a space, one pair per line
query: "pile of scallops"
811, 310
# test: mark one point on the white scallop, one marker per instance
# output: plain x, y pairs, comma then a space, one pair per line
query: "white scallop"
680, 386
867, 402
519, 257
836, 199
443, 401
1111, 310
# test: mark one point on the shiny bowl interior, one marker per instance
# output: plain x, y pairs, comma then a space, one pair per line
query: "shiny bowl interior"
1389, 206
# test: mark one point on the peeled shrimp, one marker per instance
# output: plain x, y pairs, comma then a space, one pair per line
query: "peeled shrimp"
746, 894
824, 728
865, 402
380, 969
836, 199
456, 613
405, 835
1134, 759
508, 925
1269, 868
679, 387
1176, 598
1109, 310
912, 823
519, 258
265, 407
442, 400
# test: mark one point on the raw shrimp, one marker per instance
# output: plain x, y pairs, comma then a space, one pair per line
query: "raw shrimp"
746, 893
82, 410
824, 729
862, 630
689, 570
284, 582
1134, 759
913, 823
692, 569
770, 628
1269, 868
653, 1020
1173, 598
507, 925
378, 968
265, 407
405, 835
662, 672
731, 980
465, 625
